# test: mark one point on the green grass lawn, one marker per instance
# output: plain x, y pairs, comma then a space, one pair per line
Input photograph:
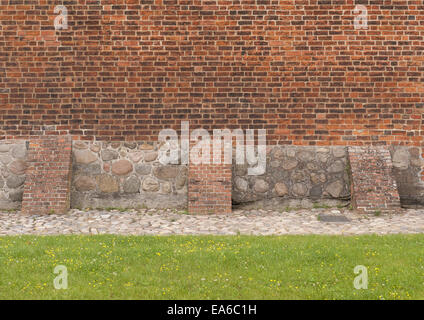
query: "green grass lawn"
188, 267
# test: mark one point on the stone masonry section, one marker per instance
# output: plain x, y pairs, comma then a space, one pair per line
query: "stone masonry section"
209, 188
48, 176
125, 175
373, 184
13, 156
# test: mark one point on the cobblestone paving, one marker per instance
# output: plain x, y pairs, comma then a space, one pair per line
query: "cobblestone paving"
169, 222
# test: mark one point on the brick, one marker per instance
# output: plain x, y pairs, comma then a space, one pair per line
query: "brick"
48, 176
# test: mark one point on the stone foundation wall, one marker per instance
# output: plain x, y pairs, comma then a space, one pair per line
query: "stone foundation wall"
125, 175
13, 166
295, 173
407, 168
128, 175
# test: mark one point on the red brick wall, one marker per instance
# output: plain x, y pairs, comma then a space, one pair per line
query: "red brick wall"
209, 188
48, 175
125, 69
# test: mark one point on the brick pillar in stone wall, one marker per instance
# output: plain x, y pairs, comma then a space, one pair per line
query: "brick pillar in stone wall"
48, 176
209, 186
373, 186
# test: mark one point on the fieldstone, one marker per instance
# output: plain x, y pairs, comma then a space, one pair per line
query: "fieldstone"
166, 172
401, 159
322, 157
135, 156
15, 181
150, 184
131, 185
84, 156
108, 155
143, 169
281, 189
317, 178
414, 152
315, 191
305, 155
16, 195
240, 169
130, 145
107, 183
95, 148
122, 167
275, 163
4, 147
261, 186
335, 189
291, 152
241, 184
312, 166
278, 153
115, 145
337, 166
84, 183
19, 151
1, 182
150, 156
299, 176
289, 164
5, 159
181, 179
417, 162
300, 189
339, 152
106, 167
80, 145
166, 188
18, 167
88, 169
146, 146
